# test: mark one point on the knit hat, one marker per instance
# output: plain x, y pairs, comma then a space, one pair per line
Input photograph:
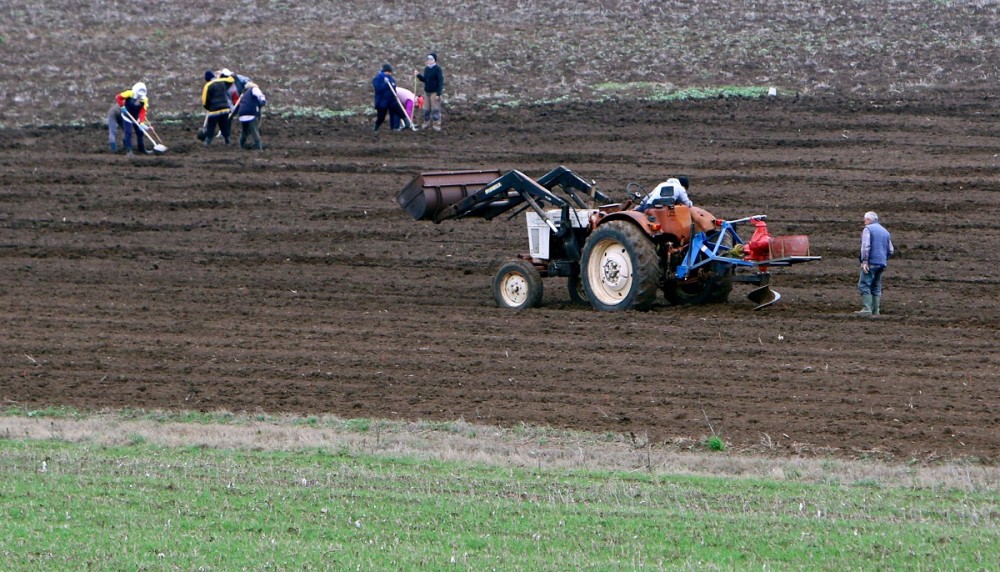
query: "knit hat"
209, 75
386, 68
432, 56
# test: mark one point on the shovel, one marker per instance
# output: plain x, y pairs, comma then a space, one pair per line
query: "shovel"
203, 131
157, 147
155, 134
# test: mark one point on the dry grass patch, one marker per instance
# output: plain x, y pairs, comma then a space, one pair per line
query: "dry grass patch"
458, 441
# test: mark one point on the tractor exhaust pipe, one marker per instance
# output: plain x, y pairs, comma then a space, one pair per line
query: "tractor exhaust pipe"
763, 297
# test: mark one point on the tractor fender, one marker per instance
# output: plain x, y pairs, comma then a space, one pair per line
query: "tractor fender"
676, 222
635, 217
702, 219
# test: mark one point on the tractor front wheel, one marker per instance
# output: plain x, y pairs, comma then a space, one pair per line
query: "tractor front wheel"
517, 285
620, 268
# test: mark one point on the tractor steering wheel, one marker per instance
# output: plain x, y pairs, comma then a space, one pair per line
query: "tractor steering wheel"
632, 193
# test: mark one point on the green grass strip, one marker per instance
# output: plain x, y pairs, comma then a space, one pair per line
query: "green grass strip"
140, 507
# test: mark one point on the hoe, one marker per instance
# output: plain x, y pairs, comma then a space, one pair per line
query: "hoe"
614, 256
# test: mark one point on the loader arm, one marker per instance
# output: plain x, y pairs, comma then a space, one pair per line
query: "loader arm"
574, 186
503, 194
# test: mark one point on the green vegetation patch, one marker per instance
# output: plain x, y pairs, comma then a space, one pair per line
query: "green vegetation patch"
709, 93
314, 112
138, 507
667, 92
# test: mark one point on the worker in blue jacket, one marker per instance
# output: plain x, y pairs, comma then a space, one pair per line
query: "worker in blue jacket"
248, 111
385, 99
876, 248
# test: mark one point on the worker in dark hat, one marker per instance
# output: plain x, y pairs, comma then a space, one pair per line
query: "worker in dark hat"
433, 79
218, 104
386, 100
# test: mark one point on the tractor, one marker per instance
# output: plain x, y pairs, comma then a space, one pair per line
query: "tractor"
615, 255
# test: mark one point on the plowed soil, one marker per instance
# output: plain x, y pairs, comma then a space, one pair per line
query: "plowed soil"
291, 281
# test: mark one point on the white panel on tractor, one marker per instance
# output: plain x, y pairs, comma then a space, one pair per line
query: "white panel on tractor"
539, 232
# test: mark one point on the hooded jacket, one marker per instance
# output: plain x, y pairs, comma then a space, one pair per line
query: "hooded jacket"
385, 95
251, 101
433, 79
215, 95
135, 106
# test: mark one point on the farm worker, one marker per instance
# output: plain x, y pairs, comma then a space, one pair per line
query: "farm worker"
433, 79
674, 189
408, 99
876, 248
385, 98
240, 82
248, 112
133, 101
216, 100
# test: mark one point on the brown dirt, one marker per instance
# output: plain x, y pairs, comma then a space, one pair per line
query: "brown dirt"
290, 281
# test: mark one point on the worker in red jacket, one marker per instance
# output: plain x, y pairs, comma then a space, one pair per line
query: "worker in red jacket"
129, 104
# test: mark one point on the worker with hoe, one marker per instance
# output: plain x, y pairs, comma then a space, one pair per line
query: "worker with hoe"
433, 79
216, 98
248, 110
129, 114
876, 249
386, 100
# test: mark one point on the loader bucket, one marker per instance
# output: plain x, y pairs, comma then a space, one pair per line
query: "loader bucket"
763, 297
430, 193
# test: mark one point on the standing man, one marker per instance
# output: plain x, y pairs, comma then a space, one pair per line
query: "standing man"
135, 103
216, 99
876, 248
433, 79
248, 110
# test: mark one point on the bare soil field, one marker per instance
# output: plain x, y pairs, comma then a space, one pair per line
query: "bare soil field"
291, 281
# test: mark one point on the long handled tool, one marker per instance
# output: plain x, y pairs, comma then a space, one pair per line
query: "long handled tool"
155, 134
406, 116
157, 147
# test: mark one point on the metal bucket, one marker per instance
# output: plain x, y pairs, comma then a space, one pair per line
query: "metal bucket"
430, 193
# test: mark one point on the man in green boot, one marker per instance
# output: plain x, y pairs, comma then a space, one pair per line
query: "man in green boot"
876, 249
866, 305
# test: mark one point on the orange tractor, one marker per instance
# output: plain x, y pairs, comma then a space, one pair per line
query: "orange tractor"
616, 256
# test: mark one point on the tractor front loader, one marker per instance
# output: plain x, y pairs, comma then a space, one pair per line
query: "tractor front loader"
615, 256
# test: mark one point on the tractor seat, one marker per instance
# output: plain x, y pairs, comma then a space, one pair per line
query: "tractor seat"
662, 202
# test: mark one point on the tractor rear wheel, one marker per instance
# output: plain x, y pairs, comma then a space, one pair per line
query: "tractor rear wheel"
620, 268
708, 287
517, 285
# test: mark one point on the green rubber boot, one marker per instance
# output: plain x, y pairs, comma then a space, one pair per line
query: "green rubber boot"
866, 306
876, 300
